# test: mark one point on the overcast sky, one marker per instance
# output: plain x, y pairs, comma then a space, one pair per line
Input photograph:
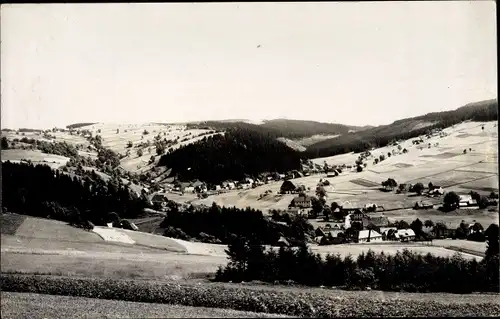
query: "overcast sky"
351, 63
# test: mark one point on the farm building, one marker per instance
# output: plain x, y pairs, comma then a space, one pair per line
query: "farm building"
332, 232
302, 201
381, 221
423, 205
288, 188
356, 214
405, 234
466, 200
369, 236
296, 211
436, 190
189, 189
159, 200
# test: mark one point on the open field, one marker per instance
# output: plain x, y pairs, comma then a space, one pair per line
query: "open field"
387, 248
28, 305
37, 157
46, 246
306, 141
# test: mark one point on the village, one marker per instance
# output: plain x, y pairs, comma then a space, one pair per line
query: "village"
344, 223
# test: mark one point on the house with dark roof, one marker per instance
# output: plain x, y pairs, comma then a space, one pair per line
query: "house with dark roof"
303, 201
381, 221
288, 187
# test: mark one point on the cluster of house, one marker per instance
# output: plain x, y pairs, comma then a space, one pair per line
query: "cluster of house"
335, 231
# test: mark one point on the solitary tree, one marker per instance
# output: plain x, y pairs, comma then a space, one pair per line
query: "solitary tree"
451, 200
418, 188
5, 143
483, 202
390, 183
139, 152
492, 238
429, 223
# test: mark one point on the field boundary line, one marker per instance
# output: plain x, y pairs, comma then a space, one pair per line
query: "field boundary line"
472, 180
450, 170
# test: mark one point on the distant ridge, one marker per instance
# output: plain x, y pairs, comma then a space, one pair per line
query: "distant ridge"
380, 136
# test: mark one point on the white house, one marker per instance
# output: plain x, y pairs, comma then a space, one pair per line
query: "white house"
405, 234
347, 222
371, 236
466, 200
189, 189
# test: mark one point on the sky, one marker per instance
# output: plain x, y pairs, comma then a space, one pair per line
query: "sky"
350, 63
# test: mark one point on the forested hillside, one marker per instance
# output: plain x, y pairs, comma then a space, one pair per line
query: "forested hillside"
42, 192
292, 129
403, 129
237, 153
300, 129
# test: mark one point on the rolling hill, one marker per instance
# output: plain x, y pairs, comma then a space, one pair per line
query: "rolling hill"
301, 129
403, 129
231, 156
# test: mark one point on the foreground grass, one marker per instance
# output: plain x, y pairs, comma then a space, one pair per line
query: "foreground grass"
9, 223
113, 266
291, 302
26, 305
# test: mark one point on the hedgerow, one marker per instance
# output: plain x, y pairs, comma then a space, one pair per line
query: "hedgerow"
293, 303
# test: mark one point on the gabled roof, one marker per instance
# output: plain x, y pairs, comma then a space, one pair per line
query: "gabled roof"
405, 232
303, 198
465, 198
159, 198
363, 234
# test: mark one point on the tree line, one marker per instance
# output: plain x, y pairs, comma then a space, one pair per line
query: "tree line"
405, 270
232, 156
42, 192
219, 224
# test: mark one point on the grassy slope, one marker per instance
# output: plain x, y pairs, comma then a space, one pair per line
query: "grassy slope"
9, 223
410, 124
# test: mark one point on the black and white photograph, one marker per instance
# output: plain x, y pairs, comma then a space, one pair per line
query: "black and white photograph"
249, 159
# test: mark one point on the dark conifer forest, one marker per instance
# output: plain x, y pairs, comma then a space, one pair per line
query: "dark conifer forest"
234, 155
42, 192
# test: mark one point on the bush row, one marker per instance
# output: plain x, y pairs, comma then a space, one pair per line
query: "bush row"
290, 302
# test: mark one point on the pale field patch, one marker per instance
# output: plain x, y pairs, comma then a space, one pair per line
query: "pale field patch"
487, 185
306, 141
36, 156
110, 234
